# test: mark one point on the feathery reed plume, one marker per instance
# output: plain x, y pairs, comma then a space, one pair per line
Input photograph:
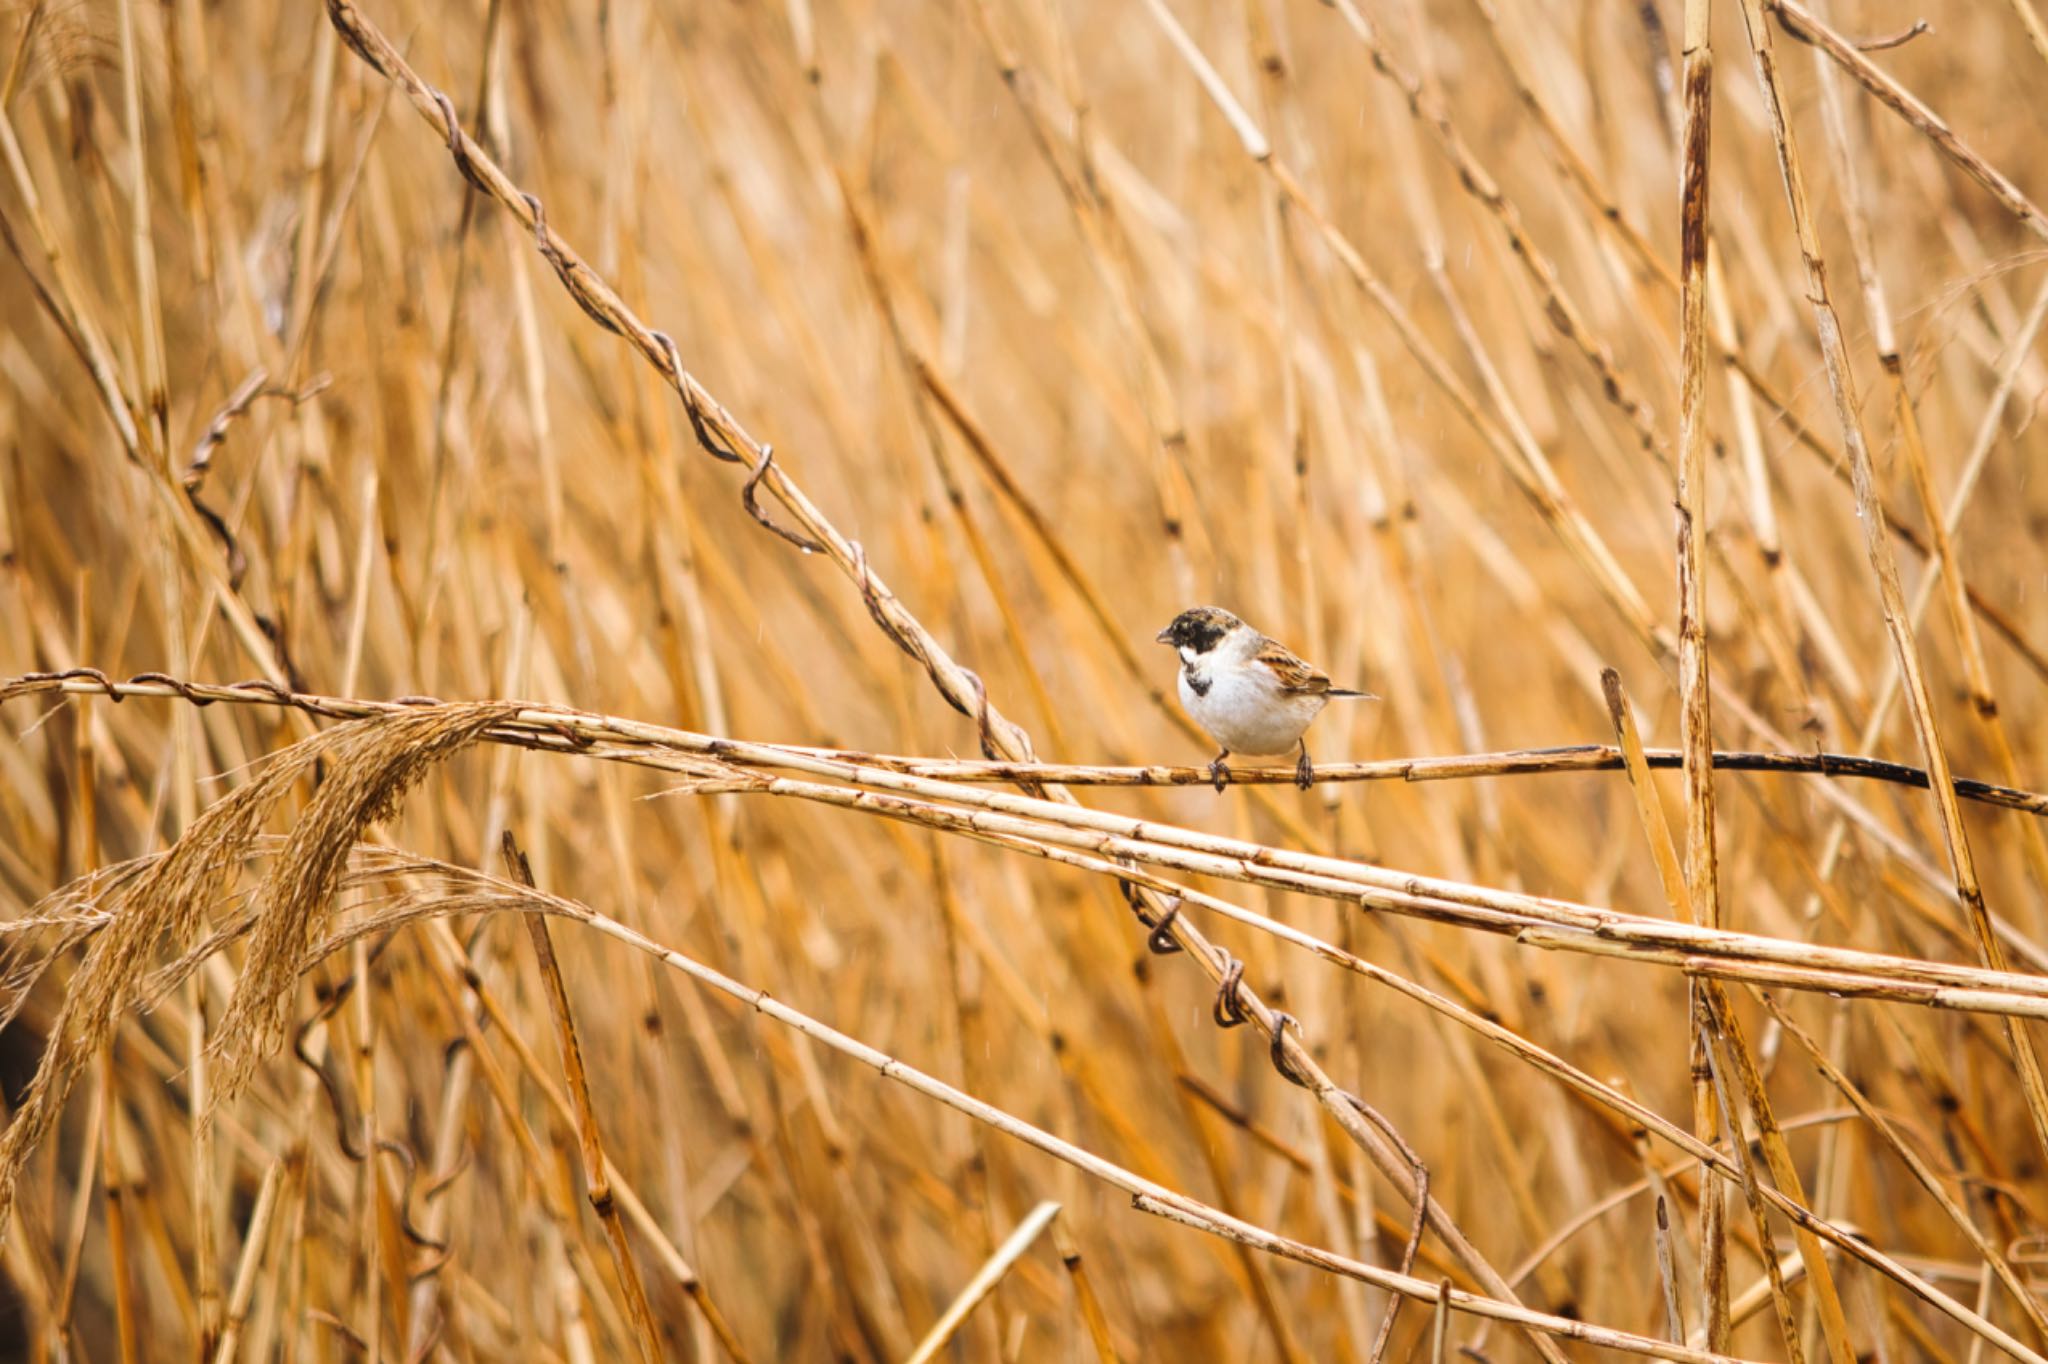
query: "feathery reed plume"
370, 764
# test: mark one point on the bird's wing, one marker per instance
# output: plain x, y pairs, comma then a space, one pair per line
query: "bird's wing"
1294, 674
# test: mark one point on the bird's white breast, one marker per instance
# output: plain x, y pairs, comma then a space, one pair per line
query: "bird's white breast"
1245, 709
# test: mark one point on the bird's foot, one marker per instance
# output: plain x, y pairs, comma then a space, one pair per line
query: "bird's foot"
1218, 773
1304, 771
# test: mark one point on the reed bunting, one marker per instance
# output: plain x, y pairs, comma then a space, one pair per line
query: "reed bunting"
1249, 693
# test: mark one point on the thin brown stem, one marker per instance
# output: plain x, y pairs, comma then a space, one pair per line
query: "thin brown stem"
597, 1186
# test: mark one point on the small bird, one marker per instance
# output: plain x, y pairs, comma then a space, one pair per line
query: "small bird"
1250, 693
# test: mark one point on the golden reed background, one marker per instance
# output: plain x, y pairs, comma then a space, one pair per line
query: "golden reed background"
1362, 319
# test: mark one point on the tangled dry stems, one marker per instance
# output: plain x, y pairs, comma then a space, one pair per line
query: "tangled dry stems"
374, 759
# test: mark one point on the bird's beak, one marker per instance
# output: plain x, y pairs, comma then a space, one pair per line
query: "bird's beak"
1164, 636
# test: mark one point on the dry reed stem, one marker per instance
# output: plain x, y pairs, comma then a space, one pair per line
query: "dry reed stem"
1092, 1315
1802, 24
1579, 1081
1113, 869
115, 1191
1524, 461
1741, 367
144, 442
1097, 219
578, 726
1945, 566
554, 1197
1558, 307
255, 1236
1229, 1197
1695, 689
1721, 1025
1667, 1274
1713, 1241
635, 1207
1110, 256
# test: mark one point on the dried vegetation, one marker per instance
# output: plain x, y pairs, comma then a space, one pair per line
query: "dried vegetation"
805, 414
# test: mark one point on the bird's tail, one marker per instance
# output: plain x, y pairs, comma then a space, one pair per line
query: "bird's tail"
1346, 694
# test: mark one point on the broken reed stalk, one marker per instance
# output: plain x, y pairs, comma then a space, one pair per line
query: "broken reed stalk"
1705, 1122
984, 1281
1667, 1273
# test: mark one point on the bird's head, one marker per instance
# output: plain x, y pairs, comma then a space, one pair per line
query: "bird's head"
1198, 630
